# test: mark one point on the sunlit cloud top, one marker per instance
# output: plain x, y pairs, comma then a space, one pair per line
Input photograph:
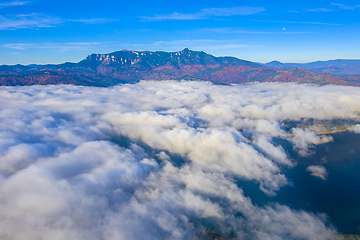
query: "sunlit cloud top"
160, 160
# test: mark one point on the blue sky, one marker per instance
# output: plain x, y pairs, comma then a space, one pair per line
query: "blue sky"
56, 31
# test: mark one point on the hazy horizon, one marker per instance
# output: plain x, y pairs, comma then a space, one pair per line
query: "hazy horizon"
54, 63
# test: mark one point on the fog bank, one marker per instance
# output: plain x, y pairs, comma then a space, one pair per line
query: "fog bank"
158, 160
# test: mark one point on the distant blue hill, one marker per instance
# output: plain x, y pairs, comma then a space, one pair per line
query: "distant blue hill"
335, 67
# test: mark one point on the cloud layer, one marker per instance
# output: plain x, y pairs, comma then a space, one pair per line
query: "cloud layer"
157, 160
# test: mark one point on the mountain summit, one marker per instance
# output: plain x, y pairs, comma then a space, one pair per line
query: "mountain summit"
158, 58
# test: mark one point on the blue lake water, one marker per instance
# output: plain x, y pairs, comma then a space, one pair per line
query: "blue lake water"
338, 196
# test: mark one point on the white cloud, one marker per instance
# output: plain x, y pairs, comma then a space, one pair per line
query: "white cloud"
232, 11
200, 44
294, 22
54, 46
207, 13
319, 10
13, 3
318, 171
94, 20
302, 138
343, 6
357, 128
242, 31
35, 20
156, 159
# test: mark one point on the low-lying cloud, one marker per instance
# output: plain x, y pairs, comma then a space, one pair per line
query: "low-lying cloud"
317, 171
157, 160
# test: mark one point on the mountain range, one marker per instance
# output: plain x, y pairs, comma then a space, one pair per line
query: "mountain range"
132, 66
334, 67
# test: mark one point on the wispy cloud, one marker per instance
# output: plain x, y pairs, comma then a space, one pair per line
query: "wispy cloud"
17, 46
57, 46
342, 6
174, 16
203, 44
234, 30
300, 22
35, 20
318, 10
107, 46
94, 20
13, 3
207, 13
231, 11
